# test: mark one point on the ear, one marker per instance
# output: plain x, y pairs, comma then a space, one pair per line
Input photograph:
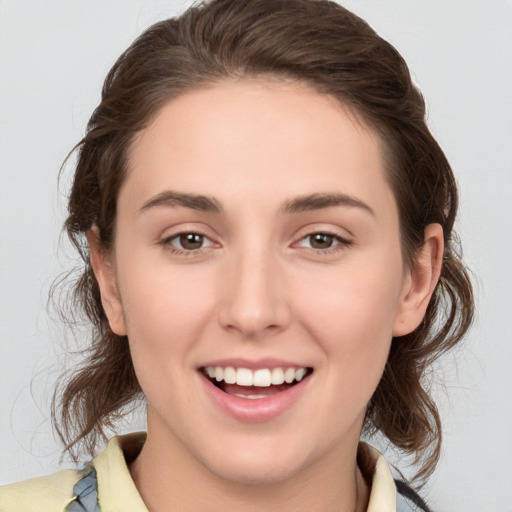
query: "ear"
103, 270
420, 282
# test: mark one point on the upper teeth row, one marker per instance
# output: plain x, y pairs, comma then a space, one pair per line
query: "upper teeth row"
263, 377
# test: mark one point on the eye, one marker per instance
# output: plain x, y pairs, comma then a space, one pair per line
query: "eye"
187, 242
320, 240
323, 242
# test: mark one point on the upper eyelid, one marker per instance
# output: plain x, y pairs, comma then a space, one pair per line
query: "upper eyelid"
173, 231
191, 232
340, 239
302, 233
328, 233
167, 245
185, 232
340, 233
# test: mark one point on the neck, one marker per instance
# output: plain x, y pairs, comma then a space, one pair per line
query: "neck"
170, 478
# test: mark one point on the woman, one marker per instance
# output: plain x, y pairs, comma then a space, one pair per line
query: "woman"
266, 227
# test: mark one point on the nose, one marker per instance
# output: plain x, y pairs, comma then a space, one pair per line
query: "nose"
254, 295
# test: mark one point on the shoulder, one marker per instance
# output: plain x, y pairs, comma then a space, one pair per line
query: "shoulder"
107, 477
50, 493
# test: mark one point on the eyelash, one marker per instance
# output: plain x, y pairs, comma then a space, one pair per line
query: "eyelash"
342, 243
166, 242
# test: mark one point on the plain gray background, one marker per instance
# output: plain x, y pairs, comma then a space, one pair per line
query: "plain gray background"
53, 58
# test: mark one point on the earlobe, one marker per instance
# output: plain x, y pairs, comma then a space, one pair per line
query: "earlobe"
104, 272
420, 282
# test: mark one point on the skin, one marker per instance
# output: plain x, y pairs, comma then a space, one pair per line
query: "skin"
259, 288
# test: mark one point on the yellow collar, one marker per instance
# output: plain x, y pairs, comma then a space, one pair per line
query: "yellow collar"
118, 492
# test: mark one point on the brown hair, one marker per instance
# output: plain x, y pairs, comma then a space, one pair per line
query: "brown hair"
319, 43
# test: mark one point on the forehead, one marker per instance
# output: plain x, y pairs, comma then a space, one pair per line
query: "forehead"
268, 137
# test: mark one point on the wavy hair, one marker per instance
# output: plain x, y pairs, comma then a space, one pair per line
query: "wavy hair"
321, 44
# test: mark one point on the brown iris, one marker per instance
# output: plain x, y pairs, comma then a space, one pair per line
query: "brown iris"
191, 241
321, 240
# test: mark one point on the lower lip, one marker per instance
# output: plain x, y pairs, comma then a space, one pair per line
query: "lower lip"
255, 410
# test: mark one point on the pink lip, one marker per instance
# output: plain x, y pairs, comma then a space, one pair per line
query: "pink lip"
268, 362
253, 411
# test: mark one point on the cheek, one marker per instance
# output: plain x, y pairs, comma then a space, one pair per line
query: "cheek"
165, 314
352, 304
165, 321
351, 316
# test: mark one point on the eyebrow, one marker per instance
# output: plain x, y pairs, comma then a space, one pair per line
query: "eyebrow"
324, 200
317, 201
194, 201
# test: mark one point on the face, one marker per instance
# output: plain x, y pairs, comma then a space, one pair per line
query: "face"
257, 242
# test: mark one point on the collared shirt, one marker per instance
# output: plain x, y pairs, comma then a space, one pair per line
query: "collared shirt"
113, 490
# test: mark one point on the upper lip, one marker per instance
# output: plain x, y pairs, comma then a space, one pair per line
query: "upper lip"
255, 364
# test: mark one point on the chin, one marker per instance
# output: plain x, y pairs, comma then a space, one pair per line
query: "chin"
263, 474
257, 467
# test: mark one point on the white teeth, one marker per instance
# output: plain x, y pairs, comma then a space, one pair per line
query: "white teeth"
289, 375
299, 374
244, 377
263, 377
277, 376
251, 397
229, 375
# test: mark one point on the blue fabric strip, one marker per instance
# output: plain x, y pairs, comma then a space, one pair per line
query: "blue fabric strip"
86, 494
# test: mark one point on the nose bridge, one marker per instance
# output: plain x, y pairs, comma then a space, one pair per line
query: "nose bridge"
254, 295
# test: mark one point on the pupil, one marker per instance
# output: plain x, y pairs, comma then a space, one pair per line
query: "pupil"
191, 241
321, 241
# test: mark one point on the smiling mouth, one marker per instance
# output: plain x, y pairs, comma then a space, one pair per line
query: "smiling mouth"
254, 384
